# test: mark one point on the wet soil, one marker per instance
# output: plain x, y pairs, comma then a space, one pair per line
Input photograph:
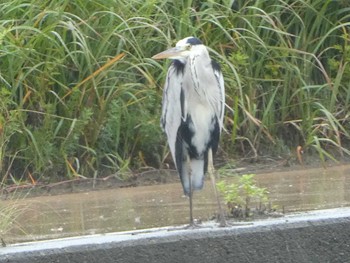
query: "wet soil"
151, 176
154, 198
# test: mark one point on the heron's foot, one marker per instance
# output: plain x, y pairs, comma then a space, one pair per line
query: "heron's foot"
222, 220
194, 224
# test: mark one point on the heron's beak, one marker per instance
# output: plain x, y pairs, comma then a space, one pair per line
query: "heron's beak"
170, 53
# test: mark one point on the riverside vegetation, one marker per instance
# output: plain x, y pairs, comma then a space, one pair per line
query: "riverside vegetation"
80, 96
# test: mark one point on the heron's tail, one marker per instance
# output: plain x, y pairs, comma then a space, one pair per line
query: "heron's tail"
197, 168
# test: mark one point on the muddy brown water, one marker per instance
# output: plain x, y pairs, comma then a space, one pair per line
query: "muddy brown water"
47, 217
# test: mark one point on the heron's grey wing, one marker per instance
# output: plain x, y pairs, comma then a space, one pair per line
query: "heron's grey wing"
172, 107
221, 104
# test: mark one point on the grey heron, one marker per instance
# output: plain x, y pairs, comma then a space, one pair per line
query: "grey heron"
192, 112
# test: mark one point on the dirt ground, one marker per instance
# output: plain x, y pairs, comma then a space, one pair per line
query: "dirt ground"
150, 176
322, 240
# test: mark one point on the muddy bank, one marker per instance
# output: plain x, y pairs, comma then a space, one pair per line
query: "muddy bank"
152, 176
144, 207
321, 236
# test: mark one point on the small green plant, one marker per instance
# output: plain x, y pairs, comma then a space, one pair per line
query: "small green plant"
239, 196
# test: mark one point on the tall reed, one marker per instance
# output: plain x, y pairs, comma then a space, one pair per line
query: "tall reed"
80, 95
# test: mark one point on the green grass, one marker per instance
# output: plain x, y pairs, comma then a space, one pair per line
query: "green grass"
80, 95
10, 210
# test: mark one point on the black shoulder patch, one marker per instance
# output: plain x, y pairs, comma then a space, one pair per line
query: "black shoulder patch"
179, 66
182, 101
194, 41
215, 65
215, 136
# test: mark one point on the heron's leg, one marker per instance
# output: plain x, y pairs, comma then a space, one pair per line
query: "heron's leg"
190, 194
222, 220
191, 204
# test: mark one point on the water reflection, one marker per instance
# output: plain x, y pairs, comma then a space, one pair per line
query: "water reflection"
161, 205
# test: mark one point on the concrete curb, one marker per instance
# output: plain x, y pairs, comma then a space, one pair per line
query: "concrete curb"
319, 236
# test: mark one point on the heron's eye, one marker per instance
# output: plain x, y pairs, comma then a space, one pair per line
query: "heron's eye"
188, 47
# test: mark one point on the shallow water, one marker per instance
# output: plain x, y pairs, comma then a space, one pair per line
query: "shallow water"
123, 209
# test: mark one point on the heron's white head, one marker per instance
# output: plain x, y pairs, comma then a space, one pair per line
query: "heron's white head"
189, 46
